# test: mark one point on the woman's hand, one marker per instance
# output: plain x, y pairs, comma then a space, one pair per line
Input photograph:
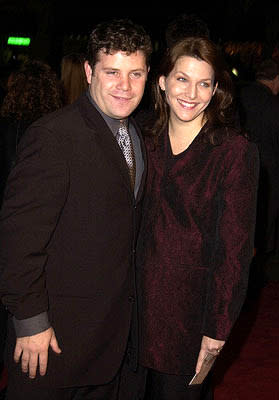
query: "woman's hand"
211, 346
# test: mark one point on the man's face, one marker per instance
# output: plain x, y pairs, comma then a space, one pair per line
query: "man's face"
117, 82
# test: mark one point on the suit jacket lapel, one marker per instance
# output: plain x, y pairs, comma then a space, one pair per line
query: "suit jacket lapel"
105, 138
144, 156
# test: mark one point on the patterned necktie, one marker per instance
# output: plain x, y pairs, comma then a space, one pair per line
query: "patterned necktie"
125, 143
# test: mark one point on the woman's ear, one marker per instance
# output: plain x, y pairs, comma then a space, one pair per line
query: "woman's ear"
162, 82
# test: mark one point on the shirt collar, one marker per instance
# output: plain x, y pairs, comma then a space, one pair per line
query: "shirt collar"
112, 123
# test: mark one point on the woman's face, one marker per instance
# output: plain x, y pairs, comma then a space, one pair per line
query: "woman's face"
188, 89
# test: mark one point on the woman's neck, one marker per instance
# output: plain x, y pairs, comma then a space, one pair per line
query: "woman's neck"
182, 134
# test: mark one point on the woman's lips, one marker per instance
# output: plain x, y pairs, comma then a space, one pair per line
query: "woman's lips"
186, 104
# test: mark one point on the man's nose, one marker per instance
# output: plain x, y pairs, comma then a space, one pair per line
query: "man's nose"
124, 82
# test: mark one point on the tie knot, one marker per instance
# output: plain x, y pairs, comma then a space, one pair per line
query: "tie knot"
123, 124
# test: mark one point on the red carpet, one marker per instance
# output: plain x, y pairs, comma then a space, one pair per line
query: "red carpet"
248, 367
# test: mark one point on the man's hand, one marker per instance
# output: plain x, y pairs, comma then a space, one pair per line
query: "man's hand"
33, 351
211, 346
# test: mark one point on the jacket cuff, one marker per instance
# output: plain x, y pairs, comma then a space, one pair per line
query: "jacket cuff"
31, 326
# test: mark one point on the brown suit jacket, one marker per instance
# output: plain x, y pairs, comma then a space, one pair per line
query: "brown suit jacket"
68, 229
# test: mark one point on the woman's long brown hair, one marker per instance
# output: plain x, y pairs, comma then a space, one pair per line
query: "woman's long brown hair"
218, 112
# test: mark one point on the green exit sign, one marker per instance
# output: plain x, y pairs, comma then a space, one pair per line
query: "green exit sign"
19, 41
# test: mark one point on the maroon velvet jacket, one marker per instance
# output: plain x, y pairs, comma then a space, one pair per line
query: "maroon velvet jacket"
195, 246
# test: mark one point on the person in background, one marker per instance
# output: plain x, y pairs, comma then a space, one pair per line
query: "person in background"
258, 103
68, 228
33, 91
196, 239
183, 26
73, 76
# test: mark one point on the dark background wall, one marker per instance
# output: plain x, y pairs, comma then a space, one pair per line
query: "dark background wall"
57, 27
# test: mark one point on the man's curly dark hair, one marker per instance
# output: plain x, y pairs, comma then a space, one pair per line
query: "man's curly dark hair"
33, 92
118, 35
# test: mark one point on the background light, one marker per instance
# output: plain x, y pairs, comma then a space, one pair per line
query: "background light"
235, 71
19, 41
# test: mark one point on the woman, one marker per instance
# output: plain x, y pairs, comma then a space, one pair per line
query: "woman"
73, 76
33, 91
196, 240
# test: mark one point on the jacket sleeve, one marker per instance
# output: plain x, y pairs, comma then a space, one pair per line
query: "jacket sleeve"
34, 198
234, 242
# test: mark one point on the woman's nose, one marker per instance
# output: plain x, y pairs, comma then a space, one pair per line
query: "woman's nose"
191, 91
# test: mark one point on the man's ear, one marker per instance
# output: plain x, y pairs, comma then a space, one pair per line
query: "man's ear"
88, 72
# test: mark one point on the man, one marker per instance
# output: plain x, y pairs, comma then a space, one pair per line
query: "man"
259, 115
68, 230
